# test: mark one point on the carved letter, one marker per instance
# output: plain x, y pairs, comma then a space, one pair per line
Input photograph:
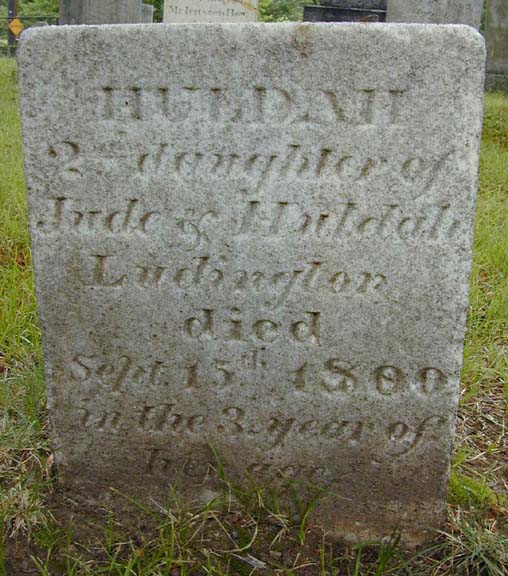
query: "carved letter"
307, 331
99, 273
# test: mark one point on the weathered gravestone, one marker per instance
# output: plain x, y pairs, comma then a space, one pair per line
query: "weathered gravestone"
210, 10
436, 11
242, 247
100, 11
496, 35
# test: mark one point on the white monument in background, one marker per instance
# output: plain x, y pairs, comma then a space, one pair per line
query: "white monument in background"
210, 11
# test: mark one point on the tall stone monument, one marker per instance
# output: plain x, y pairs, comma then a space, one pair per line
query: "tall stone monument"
496, 35
100, 11
245, 251
210, 11
436, 11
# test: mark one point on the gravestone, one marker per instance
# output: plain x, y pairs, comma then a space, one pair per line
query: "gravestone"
147, 13
210, 11
334, 14
100, 11
244, 251
496, 35
359, 4
436, 11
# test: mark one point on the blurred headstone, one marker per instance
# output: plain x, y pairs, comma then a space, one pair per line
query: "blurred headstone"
324, 13
359, 4
496, 35
436, 11
100, 11
147, 13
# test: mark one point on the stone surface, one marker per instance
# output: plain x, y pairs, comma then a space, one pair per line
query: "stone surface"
436, 11
210, 10
496, 35
147, 13
242, 245
100, 11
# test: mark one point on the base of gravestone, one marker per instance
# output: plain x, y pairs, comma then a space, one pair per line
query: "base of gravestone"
497, 83
221, 488
334, 14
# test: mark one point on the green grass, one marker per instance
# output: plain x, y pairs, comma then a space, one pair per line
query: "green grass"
19, 332
250, 532
482, 451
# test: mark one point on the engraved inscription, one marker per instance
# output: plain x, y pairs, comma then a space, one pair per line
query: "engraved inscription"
275, 288
294, 163
115, 375
161, 462
405, 438
106, 421
64, 216
256, 219
396, 437
256, 105
290, 471
65, 158
271, 219
164, 418
124, 373
341, 377
229, 325
334, 376
232, 420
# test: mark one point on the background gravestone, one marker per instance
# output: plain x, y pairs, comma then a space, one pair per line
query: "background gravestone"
147, 13
100, 11
496, 35
328, 13
436, 11
243, 249
210, 10
360, 4
346, 11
